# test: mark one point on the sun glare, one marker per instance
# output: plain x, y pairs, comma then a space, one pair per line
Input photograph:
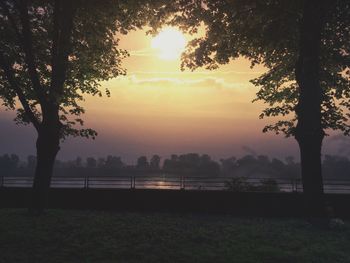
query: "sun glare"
170, 43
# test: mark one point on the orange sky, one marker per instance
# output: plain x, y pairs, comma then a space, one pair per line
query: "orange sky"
157, 108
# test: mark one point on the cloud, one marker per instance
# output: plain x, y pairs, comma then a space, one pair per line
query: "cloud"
145, 52
209, 81
194, 73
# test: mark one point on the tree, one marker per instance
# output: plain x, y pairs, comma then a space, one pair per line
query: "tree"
31, 162
192, 164
142, 162
207, 166
304, 46
336, 167
155, 162
101, 162
91, 162
113, 162
228, 165
170, 165
51, 54
78, 162
8, 163
309, 132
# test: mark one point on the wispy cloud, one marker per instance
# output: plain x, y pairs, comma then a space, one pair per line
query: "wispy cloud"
215, 82
193, 73
145, 52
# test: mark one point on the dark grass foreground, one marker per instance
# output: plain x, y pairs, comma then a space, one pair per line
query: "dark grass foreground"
83, 236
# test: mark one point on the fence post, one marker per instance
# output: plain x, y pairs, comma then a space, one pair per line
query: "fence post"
132, 182
182, 183
293, 185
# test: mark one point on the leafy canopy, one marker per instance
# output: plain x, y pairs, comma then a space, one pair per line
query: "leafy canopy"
267, 33
27, 44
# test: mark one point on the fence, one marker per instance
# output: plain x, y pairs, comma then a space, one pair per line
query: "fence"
177, 183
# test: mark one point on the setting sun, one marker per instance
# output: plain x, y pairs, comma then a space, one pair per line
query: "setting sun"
170, 43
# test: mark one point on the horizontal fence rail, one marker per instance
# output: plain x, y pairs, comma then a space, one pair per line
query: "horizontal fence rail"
178, 183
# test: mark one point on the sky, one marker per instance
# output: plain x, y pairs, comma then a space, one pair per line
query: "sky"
159, 109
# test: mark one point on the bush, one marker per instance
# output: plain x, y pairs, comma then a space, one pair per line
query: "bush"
240, 184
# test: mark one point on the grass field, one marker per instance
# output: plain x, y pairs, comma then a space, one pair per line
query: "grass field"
90, 236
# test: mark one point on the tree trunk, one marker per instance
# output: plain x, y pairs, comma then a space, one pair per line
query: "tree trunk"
309, 132
47, 148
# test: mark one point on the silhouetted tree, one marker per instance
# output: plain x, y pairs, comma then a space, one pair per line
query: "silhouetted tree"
277, 164
142, 163
292, 168
247, 160
8, 163
170, 164
189, 163
31, 162
101, 162
304, 45
259, 167
228, 165
192, 164
336, 166
263, 160
78, 162
155, 162
290, 160
208, 167
91, 162
113, 162
53, 52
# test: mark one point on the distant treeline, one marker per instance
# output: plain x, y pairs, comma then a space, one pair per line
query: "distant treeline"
191, 164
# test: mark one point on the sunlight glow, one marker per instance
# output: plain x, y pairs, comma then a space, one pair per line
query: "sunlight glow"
170, 43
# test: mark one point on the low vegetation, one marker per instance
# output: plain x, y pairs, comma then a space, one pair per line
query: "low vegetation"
86, 236
241, 184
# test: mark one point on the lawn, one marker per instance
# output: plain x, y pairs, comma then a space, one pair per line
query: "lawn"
91, 236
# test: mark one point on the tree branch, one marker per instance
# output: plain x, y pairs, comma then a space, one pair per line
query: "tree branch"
10, 76
11, 19
62, 31
27, 44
